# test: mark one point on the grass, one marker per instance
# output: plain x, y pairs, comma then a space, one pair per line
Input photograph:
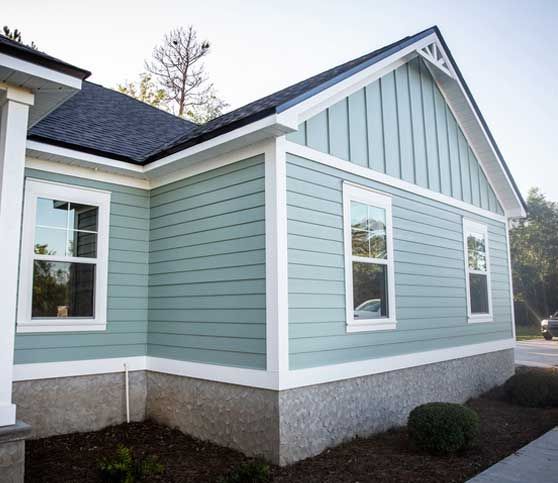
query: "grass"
527, 333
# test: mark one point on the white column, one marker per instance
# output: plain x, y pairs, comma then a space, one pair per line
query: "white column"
15, 104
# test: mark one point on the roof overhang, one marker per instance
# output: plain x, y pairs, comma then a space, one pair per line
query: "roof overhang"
432, 48
51, 81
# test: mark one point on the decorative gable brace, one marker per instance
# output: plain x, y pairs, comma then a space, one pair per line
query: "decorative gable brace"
435, 55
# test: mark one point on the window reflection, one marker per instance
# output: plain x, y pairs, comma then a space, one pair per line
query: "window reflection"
62, 289
369, 290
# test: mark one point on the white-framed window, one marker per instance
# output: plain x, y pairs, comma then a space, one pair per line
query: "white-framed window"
369, 277
477, 271
64, 258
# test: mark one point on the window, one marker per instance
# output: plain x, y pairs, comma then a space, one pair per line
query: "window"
477, 270
370, 293
64, 258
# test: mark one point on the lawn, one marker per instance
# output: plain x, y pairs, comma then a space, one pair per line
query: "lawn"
384, 457
527, 332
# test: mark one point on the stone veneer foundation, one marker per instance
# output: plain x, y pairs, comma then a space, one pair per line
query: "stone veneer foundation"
282, 426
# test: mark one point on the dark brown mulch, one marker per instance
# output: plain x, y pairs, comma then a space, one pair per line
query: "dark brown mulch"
387, 457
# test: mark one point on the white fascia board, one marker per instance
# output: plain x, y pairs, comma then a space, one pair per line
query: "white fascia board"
270, 126
317, 103
39, 71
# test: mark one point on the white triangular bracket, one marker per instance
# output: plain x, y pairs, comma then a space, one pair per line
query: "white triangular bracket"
436, 56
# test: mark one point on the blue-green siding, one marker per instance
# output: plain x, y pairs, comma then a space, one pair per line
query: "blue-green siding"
429, 273
207, 267
126, 333
401, 125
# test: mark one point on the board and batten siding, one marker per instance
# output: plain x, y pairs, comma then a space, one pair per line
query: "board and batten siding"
207, 267
402, 126
126, 331
429, 273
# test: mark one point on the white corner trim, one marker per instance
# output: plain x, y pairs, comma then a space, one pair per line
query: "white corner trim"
347, 166
277, 310
512, 305
336, 372
364, 195
85, 173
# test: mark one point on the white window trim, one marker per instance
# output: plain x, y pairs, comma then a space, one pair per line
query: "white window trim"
352, 192
469, 227
34, 189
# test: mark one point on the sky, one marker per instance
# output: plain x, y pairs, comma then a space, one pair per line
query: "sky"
506, 50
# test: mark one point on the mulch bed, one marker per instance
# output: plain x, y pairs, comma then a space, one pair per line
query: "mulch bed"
386, 457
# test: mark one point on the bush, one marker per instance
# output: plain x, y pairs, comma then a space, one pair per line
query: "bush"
124, 468
256, 471
443, 428
533, 388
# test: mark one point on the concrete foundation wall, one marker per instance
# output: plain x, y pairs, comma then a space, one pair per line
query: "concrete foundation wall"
318, 417
85, 403
240, 417
281, 426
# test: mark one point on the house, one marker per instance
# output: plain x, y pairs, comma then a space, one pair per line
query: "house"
301, 270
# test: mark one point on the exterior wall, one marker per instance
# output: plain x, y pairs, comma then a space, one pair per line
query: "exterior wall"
207, 267
84, 403
429, 273
126, 332
401, 125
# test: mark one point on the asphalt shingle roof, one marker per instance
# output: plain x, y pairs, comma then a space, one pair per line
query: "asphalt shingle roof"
105, 122
102, 121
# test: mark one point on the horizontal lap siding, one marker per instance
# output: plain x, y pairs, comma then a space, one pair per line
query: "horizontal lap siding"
429, 273
207, 267
401, 125
126, 332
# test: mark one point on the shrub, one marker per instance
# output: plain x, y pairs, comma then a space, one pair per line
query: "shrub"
533, 388
443, 428
124, 468
256, 471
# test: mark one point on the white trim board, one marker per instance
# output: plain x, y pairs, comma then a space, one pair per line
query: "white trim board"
252, 377
347, 166
53, 159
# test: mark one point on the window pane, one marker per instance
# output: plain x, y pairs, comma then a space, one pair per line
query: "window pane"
52, 213
377, 227
360, 243
82, 244
83, 217
479, 293
359, 216
368, 225
369, 291
50, 241
476, 248
62, 289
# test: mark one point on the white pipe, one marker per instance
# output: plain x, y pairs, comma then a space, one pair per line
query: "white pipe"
127, 394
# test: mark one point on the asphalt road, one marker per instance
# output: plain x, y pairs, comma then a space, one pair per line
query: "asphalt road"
543, 353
